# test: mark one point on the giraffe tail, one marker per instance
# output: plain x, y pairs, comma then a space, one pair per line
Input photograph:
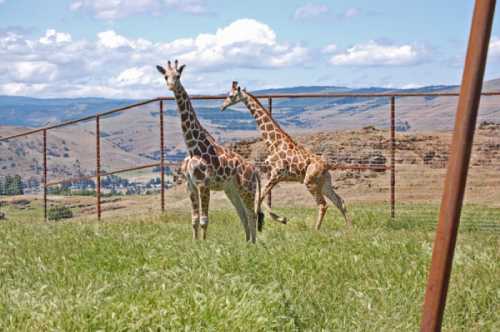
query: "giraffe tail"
258, 209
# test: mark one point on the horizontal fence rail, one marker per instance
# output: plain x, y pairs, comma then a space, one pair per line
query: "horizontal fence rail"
162, 164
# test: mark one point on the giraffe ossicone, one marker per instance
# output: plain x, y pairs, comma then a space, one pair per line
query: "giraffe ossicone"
287, 160
210, 166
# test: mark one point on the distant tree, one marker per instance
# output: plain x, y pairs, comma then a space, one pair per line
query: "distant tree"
11, 185
17, 185
114, 181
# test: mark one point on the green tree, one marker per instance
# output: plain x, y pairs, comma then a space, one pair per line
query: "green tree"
12, 185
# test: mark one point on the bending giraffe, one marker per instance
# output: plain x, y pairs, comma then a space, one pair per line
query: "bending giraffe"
287, 160
210, 166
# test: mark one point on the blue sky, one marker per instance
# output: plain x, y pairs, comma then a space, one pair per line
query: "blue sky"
66, 48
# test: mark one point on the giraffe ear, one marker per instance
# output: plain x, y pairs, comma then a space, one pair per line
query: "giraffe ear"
181, 68
161, 69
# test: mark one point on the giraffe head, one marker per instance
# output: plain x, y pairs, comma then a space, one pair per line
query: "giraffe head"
172, 74
235, 96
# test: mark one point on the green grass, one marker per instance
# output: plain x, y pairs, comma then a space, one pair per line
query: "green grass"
146, 273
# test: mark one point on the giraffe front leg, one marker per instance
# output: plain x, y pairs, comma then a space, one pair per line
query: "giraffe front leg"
205, 201
195, 209
273, 181
315, 191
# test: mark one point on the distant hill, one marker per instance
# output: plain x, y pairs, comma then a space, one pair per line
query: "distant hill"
132, 138
36, 112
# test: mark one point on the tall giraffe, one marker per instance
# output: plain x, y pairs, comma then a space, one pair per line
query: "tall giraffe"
287, 160
209, 166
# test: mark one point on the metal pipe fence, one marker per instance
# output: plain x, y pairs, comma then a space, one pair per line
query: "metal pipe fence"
458, 167
99, 173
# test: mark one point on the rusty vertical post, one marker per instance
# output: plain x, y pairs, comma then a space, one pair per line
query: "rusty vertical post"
456, 176
45, 174
98, 164
270, 106
393, 157
162, 159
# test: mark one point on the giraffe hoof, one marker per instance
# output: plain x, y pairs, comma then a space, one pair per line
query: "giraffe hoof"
282, 220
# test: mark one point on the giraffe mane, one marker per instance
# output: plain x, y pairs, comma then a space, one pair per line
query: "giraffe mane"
271, 117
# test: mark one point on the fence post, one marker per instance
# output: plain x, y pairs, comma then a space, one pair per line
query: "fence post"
162, 159
270, 106
393, 157
98, 164
458, 165
45, 174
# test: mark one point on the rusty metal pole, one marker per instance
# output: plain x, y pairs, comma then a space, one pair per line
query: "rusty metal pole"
45, 174
456, 176
98, 164
162, 159
393, 157
270, 107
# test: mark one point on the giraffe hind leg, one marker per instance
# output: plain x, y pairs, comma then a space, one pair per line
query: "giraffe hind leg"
320, 202
248, 200
314, 183
329, 192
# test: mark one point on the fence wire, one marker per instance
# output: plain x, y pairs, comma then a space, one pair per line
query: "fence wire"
354, 132
21, 178
422, 160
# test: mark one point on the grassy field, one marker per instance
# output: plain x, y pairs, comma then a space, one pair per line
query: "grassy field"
146, 273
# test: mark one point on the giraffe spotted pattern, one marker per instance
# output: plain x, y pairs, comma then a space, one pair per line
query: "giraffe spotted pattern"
287, 160
209, 166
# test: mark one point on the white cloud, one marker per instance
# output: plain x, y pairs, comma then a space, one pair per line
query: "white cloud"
52, 36
144, 75
310, 10
244, 43
494, 48
412, 86
377, 54
188, 6
21, 89
117, 9
457, 60
36, 71
115, 65
351, 12
110, 39
328, 49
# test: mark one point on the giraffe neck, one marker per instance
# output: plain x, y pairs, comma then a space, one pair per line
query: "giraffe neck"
196, 137
269, 128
